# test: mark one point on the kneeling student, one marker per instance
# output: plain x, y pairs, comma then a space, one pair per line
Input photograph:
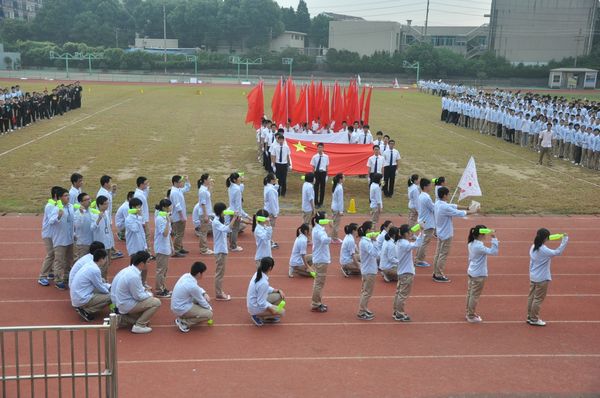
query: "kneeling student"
89, 293
262, 300
300, 262
189, 301
349, 257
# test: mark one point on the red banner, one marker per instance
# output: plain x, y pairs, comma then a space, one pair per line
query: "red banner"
350, 159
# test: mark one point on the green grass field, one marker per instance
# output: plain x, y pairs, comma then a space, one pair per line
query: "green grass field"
169, 130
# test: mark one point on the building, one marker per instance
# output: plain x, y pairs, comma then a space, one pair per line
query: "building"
9, 60
572, 78
468, 41
288, 39
19, 9
341, 17
145, 42
365, 37
536, 32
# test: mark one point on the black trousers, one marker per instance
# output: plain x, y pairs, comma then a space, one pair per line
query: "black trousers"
499, 130
389, 178
320, 177
281, 170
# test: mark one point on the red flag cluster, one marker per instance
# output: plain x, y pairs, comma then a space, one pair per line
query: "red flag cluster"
315, 102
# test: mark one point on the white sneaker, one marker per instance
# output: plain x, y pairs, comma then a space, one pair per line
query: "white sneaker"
474, 319
141, 329
208, 252
539, 322
237, 249
182, 325
291, 272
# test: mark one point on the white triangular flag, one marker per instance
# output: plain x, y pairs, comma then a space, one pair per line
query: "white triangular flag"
469, 185
358, 79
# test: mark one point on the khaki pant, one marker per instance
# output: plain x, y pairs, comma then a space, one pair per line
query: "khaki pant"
307, 217
391, 274
474, 288
97, 303
48, 260
319, 283
149, 240
413, 217
403, 289
178, 228
302, 270
233, 236
537, 294
352, 268
567, 151
596, 163
63, 261
162, 265
142, 312
375, 216
337, 216
104, 268
590, 159
196, 314
366, 291
80, 251
441, 254
428, 235
220, 260
205, 226
545, 151
274, 299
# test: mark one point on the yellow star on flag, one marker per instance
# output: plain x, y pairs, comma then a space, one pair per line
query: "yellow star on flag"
300, 147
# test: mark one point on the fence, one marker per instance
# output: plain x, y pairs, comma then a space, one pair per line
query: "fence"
59, 361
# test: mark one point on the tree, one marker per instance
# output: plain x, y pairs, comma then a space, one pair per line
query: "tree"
319, 31
12, 30
288, 17
302, 17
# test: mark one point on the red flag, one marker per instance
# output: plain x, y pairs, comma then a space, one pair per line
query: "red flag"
325, 118
290, 99
343, 158
312, 102
361, 105
339, 107
256, 106
276, 109
368, 106
301, 112
351, 102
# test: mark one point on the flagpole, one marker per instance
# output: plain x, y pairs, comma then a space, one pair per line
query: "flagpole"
453, 195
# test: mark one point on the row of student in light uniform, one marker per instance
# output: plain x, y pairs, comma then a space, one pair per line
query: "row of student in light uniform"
441, 88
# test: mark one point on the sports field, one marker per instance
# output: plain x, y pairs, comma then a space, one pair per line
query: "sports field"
160, 130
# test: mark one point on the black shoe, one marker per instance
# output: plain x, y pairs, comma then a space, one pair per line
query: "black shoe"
163, 294
86, 316
441, 279
178, 254
152, 258
183, 251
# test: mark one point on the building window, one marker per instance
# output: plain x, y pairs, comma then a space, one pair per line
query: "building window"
443, 40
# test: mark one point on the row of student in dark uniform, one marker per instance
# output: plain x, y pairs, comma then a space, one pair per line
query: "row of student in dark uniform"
19, 109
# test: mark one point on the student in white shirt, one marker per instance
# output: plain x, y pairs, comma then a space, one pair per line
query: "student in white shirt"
375, 163
539, 273
413, 199
280, 161
300, 261
379, 140
134, 303
262, 300
46, 268
220, 229
142, 191
121, 215
163, 246
321, 258
181, 185
235, 188
375, 197
546, 144
190, 302
135, 238
102, 231
76, 185
337, 205
84, 260
390, 161
368, 269
477, 271
308, 198
89, 293
320, 165
388, 258
271, 201
406, 269
263, 232
364, 136
205, 211
82, 225
349, 256
426, 219
439, 183
109, 190
62, 221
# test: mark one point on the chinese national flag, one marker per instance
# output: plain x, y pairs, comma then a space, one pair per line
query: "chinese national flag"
348, 159
256, 106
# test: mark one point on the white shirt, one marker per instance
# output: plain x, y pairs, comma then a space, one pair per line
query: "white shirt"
46, 226
299, 250
376, 161
121, 215
82, 262
308, 196
271, 199
204, 198
135, 237
478, 253
368, 256
392, 155
235, 199
185, 293
443, 219
129, 289
63, 228
337, 200
347, 250
320, 243
87, 282
262, 236
323, 165
375, 196
540, 261
196, 215
102, 231
106, 193
178, 201
404, 250
73, 194
256, 298
162, 244
281, 152
388, 258
220, 232
143, 196
546, 139
364, 137
413, 197
82, 225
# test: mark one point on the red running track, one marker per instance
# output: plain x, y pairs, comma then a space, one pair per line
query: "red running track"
334, 354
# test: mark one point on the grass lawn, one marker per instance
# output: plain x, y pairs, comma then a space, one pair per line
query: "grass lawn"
166, 130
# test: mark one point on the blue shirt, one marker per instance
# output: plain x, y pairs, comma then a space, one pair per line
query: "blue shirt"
135, 237
320, 242
185, 293
46, 226
204, 198
539, 265
271, 198
83, 227
404, 250
235, 199
87, 281
368, 256
299, 250
262, 235
256, 298
79, 264
220, 232
478, 257
102, 231
63, 228
178, 202
426, 211
347, 250
143, 196
388, 258
443, 219
162, 244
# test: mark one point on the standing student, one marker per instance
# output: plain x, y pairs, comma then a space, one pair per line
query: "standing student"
135, 237
190, 302
439, 183
406, 270
337, 205
234, 189
320, 165
142, 191
263, 232
375, 198
121, 215
62, 221
300, 261
375, 163
546, 144
321, 259
413, 199
220, 229
349, 256
308, 198
102, 231
477, 271
444, 212
205, 211
280, 162
46, 268
539, 273
391, 156
76, 185
89, 293
271, 201
368, 270
109, 190
82, 225
388, 258
262, 300
181, 185
163, 247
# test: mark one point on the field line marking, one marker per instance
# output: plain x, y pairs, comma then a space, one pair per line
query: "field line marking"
63, 127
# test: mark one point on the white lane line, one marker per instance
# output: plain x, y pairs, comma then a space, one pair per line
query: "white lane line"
63, 127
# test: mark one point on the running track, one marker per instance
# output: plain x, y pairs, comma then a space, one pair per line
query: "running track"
334, 354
